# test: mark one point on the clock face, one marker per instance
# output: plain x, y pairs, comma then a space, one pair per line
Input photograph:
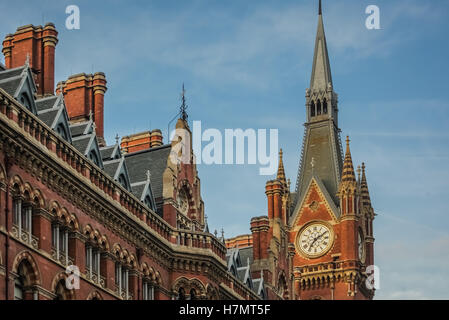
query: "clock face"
361, 247
315, 239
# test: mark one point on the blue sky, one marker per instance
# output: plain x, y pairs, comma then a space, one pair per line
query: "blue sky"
246, 64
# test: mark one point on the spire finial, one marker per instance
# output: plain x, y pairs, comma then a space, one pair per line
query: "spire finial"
347, 144
117, 138
320, 12
358, 173
183, 112
281, 171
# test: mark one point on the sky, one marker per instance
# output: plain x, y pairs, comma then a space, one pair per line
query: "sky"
246, 64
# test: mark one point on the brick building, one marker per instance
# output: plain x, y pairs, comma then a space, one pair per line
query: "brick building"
315, 242
132, 220
127, 216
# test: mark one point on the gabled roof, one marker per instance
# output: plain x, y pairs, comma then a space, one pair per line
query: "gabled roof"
19, 83
81, 128
46, 103
155, 160
110, 152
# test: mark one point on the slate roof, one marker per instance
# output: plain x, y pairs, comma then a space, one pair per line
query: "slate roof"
49, 116
155, 160
106, 152
111, 167
46, 103
82, 143
10, 73
78, 128
138, 189
11, 85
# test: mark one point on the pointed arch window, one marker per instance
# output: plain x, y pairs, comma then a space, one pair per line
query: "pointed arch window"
324, 106
181, 294
312, 109
318, 107
193, 295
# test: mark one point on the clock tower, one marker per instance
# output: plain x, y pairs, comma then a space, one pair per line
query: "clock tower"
331, 218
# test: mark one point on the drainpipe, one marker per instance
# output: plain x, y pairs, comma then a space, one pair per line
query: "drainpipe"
7, 164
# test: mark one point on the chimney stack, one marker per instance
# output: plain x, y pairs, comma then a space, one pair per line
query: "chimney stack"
84, 99
39, 45
141, 141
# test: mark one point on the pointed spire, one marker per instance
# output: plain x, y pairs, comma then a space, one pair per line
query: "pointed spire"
348, 175
321, 71
366, 201
281, 171
206, 228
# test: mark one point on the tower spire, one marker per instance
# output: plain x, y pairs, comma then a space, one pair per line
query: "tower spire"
366, 201
321, 70
348, 175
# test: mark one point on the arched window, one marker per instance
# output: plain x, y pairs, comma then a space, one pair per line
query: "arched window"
94, 158
62, 132
312, 109
122, 181
193, 294
24, 100
61, 291
324, 106
23, 282
318, 107
181, 294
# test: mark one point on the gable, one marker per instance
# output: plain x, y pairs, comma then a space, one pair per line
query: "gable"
316, 204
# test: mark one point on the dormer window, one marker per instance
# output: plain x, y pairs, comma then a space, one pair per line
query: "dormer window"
25, 100
122, 181
94, 158
62, 132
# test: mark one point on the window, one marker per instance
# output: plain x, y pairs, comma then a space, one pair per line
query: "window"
94, 158
193, 294
18, 287
324, 106
60, 243
122, 280
122, 181
23, 220
318, 108
24, 100
181, 294
62, 132
147, 291
312, 109
93, 263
